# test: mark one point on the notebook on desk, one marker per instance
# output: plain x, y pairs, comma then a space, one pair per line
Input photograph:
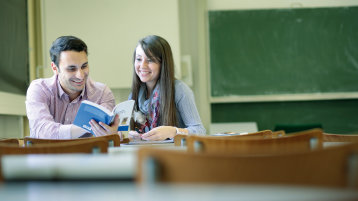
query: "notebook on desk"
228, 134
147, 142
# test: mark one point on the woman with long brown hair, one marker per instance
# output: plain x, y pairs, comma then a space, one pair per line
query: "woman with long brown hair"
164, 106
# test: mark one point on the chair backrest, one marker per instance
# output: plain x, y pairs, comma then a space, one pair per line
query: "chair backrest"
125, 141
88, 146
331, 167
257, 135
113, 140
13, 141
180, 140
327, 137
301, 141
280, 133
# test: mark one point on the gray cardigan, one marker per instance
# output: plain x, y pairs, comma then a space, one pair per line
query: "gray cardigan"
187, 113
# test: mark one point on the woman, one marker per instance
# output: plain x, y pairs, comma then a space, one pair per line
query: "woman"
164, 106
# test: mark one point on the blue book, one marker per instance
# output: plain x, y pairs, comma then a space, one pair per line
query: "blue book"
89, 110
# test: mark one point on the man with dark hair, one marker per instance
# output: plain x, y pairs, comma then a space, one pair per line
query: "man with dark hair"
52, 103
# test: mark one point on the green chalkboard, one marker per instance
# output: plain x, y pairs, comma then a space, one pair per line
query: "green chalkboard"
334, 116
14, 46
283, 51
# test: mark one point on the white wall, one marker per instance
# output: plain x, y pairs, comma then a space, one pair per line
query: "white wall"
111, 29
193, 40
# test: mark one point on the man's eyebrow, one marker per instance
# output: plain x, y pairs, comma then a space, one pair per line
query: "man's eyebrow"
86, 63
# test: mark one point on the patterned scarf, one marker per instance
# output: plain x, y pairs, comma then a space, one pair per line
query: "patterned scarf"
149, 108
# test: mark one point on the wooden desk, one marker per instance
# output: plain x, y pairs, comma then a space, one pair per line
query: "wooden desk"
129, 191
120, 163
331, 144
69, 166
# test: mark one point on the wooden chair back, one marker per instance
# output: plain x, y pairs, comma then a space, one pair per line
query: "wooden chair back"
13, 141
85, 146
327, 137
257, 135
125, 141
301, 141
261, 134
180, 140
113, 140
331, 167
280, 133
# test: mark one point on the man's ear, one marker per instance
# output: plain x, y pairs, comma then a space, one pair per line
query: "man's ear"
54, 68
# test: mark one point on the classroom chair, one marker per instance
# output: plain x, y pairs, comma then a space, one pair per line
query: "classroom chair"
328, 137
331, 167
259, 135
290, 128
13, 141
296, 142
85, 146
180, 140
280, 133
125, 141
338, 139
113, 140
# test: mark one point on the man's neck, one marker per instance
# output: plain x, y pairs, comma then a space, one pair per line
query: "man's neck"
74, 96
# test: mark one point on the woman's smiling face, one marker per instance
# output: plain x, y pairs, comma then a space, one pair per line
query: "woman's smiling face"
148, 70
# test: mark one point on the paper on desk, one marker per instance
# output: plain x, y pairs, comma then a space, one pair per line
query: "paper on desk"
146, 142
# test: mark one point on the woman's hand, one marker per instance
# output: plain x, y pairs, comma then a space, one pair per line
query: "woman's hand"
160, 133
134, 135
100, 129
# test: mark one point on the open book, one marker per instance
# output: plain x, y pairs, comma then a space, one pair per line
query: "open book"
89, 110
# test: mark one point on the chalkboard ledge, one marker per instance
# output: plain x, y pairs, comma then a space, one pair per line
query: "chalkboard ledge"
285, 97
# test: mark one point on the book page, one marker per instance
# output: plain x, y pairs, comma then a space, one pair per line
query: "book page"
124, 110
98, 106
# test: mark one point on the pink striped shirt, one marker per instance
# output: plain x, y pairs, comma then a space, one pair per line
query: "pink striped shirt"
50, 111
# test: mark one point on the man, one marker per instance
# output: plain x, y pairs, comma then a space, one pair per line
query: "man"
52, 103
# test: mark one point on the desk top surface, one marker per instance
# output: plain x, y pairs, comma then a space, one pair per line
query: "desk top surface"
88, 191
119, 163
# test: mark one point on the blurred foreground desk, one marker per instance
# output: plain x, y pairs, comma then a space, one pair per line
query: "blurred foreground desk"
128, 191
119, 164
69, 166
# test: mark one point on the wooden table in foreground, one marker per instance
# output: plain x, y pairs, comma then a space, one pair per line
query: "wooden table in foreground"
128, 191
119, 164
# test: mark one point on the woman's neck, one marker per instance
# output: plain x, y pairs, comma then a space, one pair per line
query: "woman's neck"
150, 88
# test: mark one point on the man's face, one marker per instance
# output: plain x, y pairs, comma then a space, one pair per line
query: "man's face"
72, 72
